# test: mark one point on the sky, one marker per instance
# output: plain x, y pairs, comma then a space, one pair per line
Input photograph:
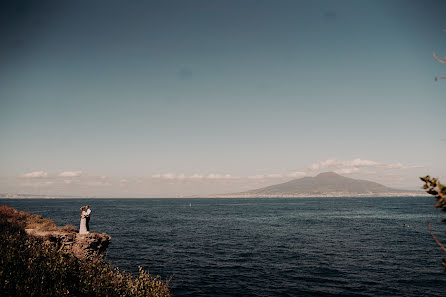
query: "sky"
175, 98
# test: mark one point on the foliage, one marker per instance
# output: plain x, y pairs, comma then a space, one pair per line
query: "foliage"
438, 190
442, 60
28, 267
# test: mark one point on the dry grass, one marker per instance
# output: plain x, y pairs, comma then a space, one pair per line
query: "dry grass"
70, 228
27, 220
41, 224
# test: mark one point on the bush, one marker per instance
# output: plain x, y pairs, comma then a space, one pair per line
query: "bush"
28, 267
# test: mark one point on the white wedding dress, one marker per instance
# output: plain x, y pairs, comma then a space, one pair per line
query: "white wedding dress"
83, 226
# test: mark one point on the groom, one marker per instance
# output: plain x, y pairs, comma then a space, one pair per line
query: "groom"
88, 210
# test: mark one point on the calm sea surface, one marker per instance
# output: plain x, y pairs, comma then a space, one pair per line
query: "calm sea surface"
269, 247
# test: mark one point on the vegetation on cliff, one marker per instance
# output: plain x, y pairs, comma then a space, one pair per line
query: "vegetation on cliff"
31, 267
438, 190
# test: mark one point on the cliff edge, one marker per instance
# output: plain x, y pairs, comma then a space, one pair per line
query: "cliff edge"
37, 258
65, 238
81, 245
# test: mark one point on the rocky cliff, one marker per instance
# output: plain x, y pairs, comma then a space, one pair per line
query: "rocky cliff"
65, 238
37, 258
81, 245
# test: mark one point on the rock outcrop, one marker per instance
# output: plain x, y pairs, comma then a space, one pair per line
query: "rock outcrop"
65, 238
81, 245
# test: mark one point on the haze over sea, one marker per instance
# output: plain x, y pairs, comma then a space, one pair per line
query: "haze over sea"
269, 247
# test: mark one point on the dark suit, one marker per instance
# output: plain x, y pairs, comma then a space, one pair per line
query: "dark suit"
88, 219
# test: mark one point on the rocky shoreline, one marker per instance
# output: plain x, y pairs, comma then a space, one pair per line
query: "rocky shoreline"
80, 245
66, 239
38, 258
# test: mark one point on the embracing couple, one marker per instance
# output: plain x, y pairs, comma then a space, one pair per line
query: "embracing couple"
85, 220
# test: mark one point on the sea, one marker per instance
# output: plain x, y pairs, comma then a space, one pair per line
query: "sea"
363, 246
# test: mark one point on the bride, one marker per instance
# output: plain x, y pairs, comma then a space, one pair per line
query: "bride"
83, 226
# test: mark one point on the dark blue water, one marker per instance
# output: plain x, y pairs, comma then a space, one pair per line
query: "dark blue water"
269, 247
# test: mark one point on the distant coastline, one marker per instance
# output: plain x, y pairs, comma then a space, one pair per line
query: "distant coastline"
322, 195
233, 196
326, 184
28, 196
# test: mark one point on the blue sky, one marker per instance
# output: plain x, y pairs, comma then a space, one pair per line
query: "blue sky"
137, 98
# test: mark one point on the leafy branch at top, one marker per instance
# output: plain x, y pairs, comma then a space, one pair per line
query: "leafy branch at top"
436, 189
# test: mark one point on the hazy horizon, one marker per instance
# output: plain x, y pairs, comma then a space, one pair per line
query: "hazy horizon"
177, 98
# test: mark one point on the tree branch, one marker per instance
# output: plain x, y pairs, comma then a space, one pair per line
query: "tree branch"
435, 237
442, 61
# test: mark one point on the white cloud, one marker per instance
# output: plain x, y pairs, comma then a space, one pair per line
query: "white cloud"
347, 170
261, 176
173, 176
338, 166
98, 184
258, 176
357, 163
38, 184
34, 174
70, 174
334, 163
196, 176
265, 176
297, 174
164, 176
218, 176
395, 166
402, 166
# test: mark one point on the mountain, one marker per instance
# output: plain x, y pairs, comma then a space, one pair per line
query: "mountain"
327, 184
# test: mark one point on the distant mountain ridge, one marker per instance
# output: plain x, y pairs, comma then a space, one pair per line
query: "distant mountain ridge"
325, 184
